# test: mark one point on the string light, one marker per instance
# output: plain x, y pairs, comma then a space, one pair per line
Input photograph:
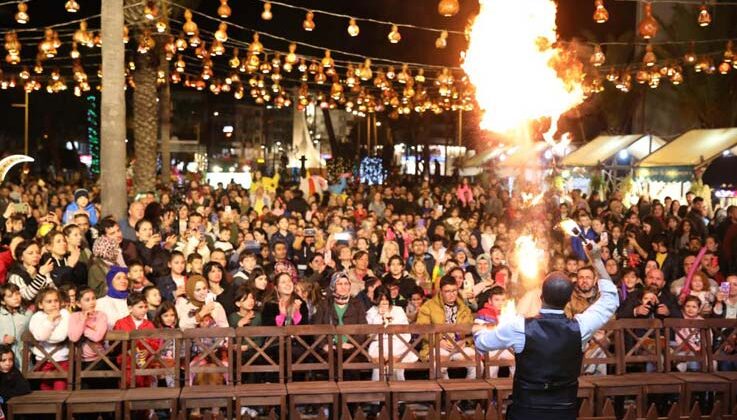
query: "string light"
266, 14
648, 26
256, 47
150, 11
597, 58
309, 24
224, 10
704, 18
71, 6
190, 28
22, 15
353, 28
394, 36
649, 58
448, 8
222, 33
442, 40
601, 15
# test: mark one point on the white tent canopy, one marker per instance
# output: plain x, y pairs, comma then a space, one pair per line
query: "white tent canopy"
603, 148
693, 148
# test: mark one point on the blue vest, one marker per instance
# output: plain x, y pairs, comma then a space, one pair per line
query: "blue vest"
547, 369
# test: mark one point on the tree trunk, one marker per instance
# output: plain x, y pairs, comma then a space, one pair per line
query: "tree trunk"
145, 123
165, 104
112, 115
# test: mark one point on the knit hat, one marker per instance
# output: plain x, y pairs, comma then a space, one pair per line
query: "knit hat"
81, 192
111, 291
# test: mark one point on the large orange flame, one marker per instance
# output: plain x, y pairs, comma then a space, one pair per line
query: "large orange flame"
518, 73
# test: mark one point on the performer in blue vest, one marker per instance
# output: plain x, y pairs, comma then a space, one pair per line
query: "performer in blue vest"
549, 348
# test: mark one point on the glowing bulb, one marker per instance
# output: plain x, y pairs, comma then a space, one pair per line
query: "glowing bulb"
72, 6
448, 8
266, 14
353, 28
224, 10
22, 15
442, 40
394, 36
309, 24
601, 15
704, 19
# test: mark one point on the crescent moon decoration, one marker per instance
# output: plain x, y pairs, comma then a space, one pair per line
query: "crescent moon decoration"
10, 161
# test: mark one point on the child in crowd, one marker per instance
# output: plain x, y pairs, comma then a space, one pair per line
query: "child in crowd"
688, 340
172, 286
416, 299
247, 261
700, 289
50, 327
137, 321
14, 320
223, 243
195, 264
166, 317
89, 325
153, 300
12, 382
491, 302
137, 276
69, 297
245, 301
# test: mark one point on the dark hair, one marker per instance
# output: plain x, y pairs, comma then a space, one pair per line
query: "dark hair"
212, 265
165, 307
175, 254
140, 223
369, 281
447, 280
64, 290
193, 256
5, 349
486, 296
243, 293
588, 268
417, 290
692, 298
379, 292
147, 289
106, 223
395, 257
133, 263
8, 287
21, 248
134, 298
49, 238
557, 290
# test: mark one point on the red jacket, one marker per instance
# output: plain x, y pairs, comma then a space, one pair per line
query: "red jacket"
127, 324
6, 260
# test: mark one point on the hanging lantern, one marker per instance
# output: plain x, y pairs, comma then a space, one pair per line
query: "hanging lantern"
597, 58
47, 46
649, 58
150, 11
224, 10
38, 68
190, 28
292, 58
365, 72
690, 56
180, 65
253, 63
217, 48
327, 61
677, 77
255, 47
648, 26
235, 61
728, 53
82, 36
309, 24
181, 43
145, 42
320, 77
125, 35
222, 33
266, 14
170, 48
24, 74
601, 15
724, 67
22, 15
74, 53
704, 19
404, 75
353, 29
161, 26
442, 40
448, 8
201, 51
72, 6
390, 73
195, 40
312, 69
394, 36
420, 77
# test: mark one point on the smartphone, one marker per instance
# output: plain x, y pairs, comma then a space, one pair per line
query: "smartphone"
724, 288
209, 298
253, 246
343, 236
310, 232
604, 239
228, 209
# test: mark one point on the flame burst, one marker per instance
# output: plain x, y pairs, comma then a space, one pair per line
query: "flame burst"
528, 256
508, 312
519, 75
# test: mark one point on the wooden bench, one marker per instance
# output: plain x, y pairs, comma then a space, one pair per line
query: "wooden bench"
42, 402
260, 351
353, 361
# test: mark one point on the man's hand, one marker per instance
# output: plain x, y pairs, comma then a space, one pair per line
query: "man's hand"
642, 310
663, 310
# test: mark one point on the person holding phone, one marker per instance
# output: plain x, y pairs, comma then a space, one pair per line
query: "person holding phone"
725, 305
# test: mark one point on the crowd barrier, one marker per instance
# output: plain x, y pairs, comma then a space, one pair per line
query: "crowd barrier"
284, 368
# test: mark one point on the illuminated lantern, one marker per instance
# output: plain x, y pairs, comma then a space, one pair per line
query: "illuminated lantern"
224, 10
353, 28
648, 26
394, 36
448, 8
601, 15
266, 14
309, 24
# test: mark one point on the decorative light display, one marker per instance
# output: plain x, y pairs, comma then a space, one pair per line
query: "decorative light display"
93, 132
372, 171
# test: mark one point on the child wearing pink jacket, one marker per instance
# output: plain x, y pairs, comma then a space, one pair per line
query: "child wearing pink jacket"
90, 324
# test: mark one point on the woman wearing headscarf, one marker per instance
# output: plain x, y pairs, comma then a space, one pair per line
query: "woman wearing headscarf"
114, 304
339, 308
200, 311
105, 254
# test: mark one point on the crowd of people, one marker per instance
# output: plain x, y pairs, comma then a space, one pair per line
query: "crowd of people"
400, 253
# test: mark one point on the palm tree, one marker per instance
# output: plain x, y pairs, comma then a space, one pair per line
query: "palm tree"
112, 130
145, 122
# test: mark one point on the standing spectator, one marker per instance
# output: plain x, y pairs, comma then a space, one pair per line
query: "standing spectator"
50, 326
115, 304
14, 319
585, 292
81, 204
128, 224
106, 253
12, 382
